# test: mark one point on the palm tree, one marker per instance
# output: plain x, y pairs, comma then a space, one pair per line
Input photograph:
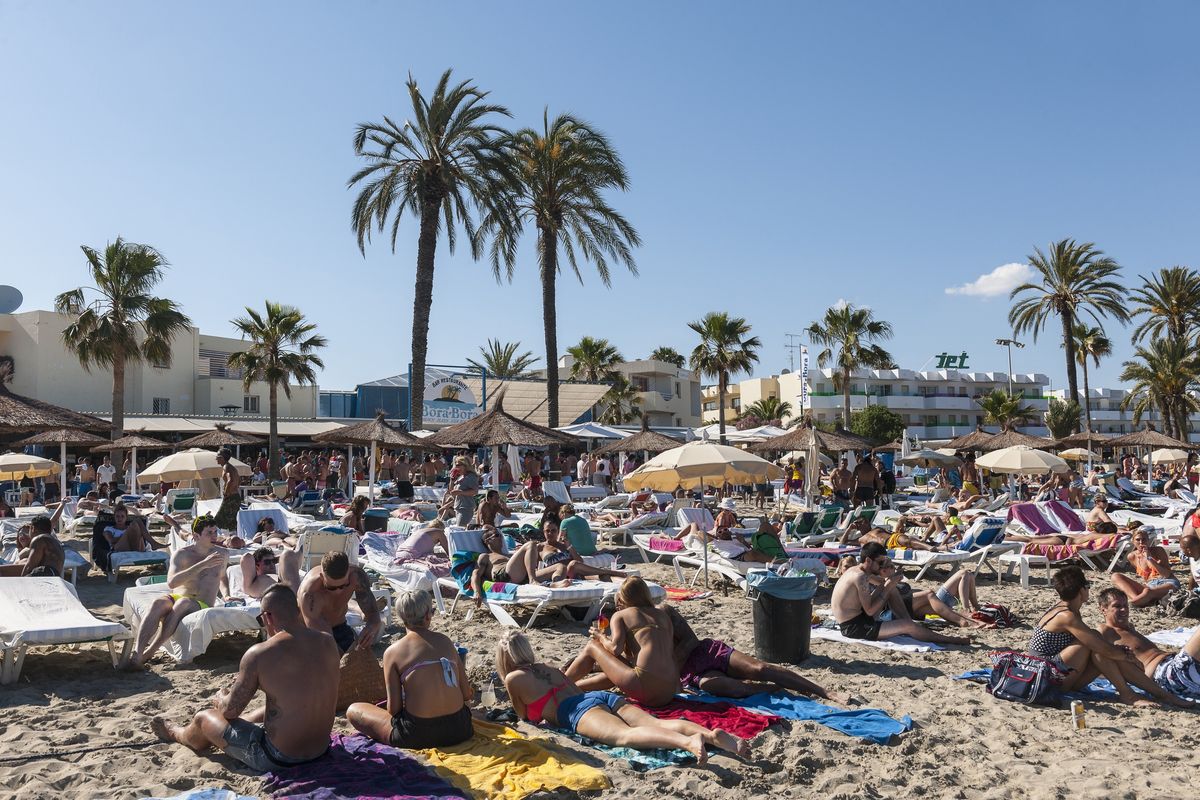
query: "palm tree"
436, 166
594, 360
1163, 376
853, 333
725, 349
106, 330
556, 182
768, 409
282, 350
1170, 301
1090, 342
620, 403
501, 360
668, 355
1004, 409
1074, 278
1061, 417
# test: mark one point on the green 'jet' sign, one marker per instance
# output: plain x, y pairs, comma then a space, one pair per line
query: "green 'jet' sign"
947, 361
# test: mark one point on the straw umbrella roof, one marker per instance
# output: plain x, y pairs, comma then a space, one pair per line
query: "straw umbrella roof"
498, 427
1006, 439
375, 431
221, 437
890, 446
131, 441
20, 413
1147, 438
1082, 439
802, 438
68, 436
645, 439
975, 440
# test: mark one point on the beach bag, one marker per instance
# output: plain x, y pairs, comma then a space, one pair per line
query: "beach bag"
1187, 604
994, 613
1022, 678
360, 679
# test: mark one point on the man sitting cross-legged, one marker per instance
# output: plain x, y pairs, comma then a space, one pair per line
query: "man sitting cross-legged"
297, 669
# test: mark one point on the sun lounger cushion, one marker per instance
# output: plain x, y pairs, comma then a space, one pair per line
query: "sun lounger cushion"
197, 630
41, 611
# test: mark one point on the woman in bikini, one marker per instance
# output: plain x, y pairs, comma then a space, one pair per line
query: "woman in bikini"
1152, 565
541, 693
640, 658
427, 686
551, 560
354, 518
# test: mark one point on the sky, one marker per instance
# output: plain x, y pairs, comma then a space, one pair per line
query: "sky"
783, 157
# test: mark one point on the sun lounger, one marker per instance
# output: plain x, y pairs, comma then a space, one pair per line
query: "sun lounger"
249, 518
332, 539
380, 556
650, 522
826, 527
585, 492
132, 558
926, 560
37, 612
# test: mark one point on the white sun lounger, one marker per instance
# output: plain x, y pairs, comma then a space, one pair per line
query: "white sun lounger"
37, 612
925, 560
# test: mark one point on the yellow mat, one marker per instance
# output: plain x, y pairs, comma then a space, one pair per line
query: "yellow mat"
498, 763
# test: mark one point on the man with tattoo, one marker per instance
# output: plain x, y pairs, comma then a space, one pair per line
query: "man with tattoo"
325, 594
297, 669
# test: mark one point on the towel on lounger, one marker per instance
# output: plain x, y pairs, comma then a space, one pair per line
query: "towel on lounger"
905, 644
1061, 552
354, 767
666, 544
869, 724
712, 715
498, 763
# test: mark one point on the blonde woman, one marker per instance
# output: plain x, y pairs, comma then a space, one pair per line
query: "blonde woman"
541, 693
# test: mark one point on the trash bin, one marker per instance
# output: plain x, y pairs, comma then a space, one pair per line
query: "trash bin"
782, 614
375, 519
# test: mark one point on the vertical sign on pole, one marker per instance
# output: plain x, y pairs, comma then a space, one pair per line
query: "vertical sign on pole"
803, 379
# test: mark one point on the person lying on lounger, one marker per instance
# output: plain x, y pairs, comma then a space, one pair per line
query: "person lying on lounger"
1152, 565
266, 534
128, 532
859, 602
427, 686
1177, 673
542, 693
861, 533
185, 534
297, 669
1104, 533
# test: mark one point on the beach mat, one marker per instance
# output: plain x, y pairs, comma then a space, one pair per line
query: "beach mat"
498, 763
1174, 637
904, 644
210, 793
640, 760
1100, 688
358, 767
869, 724
739, 721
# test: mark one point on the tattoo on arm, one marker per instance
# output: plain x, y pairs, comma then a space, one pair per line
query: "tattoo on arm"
243, 689
362, 595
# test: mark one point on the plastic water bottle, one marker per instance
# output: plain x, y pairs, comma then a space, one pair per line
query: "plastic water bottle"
1078, 718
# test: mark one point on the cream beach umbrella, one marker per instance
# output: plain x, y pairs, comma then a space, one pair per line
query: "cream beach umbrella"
1077, 454
15, 466
188, 465
929, 458
1021, 460
1166, 455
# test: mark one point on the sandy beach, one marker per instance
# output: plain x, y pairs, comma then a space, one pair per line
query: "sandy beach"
964, 743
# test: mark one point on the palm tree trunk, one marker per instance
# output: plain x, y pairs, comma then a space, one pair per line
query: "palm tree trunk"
722, 388
846, 398
548, 241
1068, 324
1087, 399
118, 403
422, 301
273, 433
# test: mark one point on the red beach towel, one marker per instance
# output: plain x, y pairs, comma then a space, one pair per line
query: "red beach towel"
738, 721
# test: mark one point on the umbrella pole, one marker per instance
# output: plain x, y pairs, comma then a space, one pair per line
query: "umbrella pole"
496, 467
62, 475
705, 543
133, 470
349, 471
371, 477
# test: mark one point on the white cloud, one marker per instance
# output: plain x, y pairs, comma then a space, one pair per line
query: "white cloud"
997, 283
843, 302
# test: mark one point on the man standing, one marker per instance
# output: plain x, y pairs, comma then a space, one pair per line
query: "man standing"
1178, 674
841, 481
85, 476
231, 494
402, 468
325, 595
106, 472
866, 482
297, 669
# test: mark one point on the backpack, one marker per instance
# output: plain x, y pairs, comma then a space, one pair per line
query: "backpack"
1186, 604
1022, 678
994, 613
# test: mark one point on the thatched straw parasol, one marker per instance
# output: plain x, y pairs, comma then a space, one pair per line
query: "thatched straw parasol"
890, 447
1083, 439
645, 440
975, 440
802, 439
221, 437
62, 437
497, 427
370, 434
1147, 438
1006, 439
19, 413
133, 441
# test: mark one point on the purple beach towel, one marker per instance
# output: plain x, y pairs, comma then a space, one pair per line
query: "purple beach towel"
1070, 520
1028, 515
355, 767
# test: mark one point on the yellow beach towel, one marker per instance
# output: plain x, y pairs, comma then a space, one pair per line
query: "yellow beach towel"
499, 763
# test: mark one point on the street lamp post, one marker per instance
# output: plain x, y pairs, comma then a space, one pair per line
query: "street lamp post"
1009, 344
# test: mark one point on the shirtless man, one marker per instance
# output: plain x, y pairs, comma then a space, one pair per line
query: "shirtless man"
325, 595
231, 494
491, 507
428, 471
402, 469
1178, 675
45, 558
841, 482
866, 482
192, 580
262, 569
297, 669
1152, 565
858, 602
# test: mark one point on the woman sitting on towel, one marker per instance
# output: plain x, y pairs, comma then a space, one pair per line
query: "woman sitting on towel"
640, 658
541, 693
427, 686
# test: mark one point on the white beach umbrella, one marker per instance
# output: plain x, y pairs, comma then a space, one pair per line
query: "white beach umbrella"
188, 465
929, 458
1166, 455
1021, 460
15, 466
1077, 454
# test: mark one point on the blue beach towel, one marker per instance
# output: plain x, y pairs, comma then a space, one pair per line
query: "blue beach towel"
869, 724
640, 760
1099, 689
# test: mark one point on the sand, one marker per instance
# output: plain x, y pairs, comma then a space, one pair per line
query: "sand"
965, 744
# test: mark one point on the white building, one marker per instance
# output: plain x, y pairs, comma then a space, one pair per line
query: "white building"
668, 396
1109, 418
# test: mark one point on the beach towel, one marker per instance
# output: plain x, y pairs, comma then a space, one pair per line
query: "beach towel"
496, 590
904, 644
354, 767
1061, 552
497, 763
640, 760
1031, 518
1100, 688
206, 794
678, 593
1066, 515
724, 715
1174, 638
869, 724
666, 544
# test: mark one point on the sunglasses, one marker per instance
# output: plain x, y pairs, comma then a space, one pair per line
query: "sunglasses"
261, 619
269, 561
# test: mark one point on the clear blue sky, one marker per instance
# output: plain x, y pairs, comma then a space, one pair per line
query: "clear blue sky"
783, 157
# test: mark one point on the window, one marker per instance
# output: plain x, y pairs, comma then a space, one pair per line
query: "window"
736, 404
158, 365
250, 403
677, 392
162, 405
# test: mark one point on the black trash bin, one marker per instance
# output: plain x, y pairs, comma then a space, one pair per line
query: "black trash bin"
782, 615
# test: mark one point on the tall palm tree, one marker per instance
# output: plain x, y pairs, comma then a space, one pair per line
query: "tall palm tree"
726, 348
768, 409
1170, 301
1163, 375
1090, 342
439, 166
557, 177
620, 403
668, 355
501, 359
125, 322
848, 336
594, 360
283, 350
1074, 278
1004, 409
